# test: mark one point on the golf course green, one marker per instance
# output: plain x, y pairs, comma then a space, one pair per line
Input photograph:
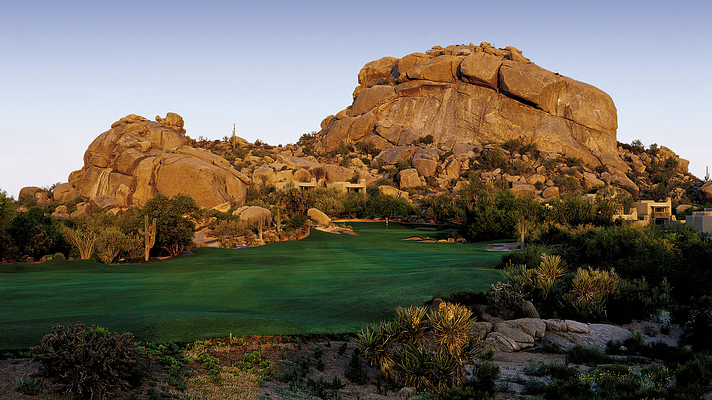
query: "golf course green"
326, 283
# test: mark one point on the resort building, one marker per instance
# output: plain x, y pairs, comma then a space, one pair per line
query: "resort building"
701, 220
341, 187
647, 212
653, 212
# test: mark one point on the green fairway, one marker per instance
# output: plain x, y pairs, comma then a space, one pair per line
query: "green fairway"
325, 283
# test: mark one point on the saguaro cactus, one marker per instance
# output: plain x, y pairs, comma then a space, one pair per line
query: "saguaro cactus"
149, 235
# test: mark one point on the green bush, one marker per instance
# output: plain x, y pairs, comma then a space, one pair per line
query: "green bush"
464, 393
355, 372
492, 159
28, 385
89, 362
485, 376
428, 139
587, 355
296, 222
695, 376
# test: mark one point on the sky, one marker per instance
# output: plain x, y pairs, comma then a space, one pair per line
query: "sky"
276, 69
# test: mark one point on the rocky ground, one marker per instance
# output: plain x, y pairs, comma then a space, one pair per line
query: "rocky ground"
285, 356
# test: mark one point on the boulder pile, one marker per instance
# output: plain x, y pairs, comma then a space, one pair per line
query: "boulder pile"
521, 334
137, 159
466, 96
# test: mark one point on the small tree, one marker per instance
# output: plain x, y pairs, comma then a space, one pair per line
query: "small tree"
109, 243
83, 239
174, 227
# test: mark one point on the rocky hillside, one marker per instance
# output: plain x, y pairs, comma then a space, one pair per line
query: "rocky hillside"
423, 169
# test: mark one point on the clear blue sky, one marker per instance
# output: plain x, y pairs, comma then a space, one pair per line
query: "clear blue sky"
69, 69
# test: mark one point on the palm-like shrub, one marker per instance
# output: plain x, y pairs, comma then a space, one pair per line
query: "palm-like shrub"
450, 327
590, 291
376, 343
89, 362
421, 348
549, 270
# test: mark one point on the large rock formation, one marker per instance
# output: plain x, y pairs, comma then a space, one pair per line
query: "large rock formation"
137, 159
475, 95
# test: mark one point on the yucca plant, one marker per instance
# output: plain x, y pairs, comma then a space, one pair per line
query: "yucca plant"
451, 328
549, 270
519, 277
590, 291
445, 371
424, 349
411, 324
415, 366
376, 344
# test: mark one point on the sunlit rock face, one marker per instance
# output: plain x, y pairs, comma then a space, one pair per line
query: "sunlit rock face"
474, 95
138, 158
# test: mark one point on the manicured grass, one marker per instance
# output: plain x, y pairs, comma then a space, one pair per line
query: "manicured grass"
326, 283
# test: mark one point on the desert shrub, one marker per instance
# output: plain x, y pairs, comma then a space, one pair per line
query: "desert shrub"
421, 348
573, 161
637, 299
228, 231
492, 159
404, 164
110, 242
28, 385
444, 156
695, 376
496, 215
89, 362
427, 139
520, 167
567, 184
355, 372
462, 393
485, 375
329, 201
512, 144
587, 355
387, 206
367, 147
173, 230
553, 369
296, 221
530, 148
530, 256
